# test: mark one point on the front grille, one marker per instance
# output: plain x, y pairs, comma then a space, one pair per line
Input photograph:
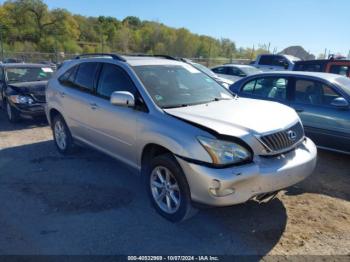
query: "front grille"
39, 98
283, 140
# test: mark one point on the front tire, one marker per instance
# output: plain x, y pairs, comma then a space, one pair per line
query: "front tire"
168, 189
12, 113
62, 135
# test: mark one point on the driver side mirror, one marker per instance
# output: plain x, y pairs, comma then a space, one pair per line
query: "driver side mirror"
122, 98
340, 102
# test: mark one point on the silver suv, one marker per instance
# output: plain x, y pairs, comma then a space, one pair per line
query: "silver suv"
189, 138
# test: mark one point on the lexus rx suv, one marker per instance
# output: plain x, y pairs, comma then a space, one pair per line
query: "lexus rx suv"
190, 139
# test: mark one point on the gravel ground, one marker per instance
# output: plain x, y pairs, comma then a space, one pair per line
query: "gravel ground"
89, 203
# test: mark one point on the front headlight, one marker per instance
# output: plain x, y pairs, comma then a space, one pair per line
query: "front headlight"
21, 99
224, 152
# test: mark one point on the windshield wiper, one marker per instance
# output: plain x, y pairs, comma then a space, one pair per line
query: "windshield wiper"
176, 106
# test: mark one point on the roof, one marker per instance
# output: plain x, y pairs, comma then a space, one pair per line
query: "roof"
325, 76
150, 60
322, 61
235, 65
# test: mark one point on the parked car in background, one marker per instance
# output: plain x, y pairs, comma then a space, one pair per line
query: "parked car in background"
22, 90
191, 139
334, 66
235, 72
50, 64
270, 62
221, 80
13, 60
321, 100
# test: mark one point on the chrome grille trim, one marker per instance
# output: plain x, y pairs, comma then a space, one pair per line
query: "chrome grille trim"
279, 142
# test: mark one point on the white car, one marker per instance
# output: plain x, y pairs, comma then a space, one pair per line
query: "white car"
275, 62
235, 72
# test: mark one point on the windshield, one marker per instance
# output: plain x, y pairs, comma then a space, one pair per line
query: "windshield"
344, 83
250, 70
204, 69
28, 74
180, 85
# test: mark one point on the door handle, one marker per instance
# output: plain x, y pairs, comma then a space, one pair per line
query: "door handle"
93, 106
62, 94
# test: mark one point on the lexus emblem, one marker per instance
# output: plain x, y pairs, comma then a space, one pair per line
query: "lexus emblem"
292, 135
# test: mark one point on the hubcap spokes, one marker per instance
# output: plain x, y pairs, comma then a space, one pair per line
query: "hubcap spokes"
60, 135
165, 189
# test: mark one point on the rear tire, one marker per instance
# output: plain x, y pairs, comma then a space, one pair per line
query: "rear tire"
62, 135
12, 113
168, 189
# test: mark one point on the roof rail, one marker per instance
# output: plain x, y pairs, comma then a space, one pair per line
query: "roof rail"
161, 56
113, 56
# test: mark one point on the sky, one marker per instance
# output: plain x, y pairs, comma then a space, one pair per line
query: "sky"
313, 24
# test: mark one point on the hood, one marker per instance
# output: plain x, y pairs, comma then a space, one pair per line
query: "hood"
37, 87
239, 116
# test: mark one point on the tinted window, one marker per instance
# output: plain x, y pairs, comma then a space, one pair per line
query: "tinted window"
270, 87
340, 70
85, 76
266, 60
235, 71
220, 70
309, 67
113, 79
314, 93
68, 77
1, 74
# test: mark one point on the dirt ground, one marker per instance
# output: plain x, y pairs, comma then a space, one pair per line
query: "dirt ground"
89, 203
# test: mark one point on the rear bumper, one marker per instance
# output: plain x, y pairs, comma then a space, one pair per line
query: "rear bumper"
234, 185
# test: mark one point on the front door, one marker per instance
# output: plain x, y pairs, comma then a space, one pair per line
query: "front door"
115, 126
325, 124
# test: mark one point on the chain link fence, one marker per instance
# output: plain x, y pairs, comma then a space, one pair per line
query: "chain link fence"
56, 58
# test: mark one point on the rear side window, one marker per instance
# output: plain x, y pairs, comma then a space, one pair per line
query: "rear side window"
220, 70
308, 67
68, 77
314, 93
235, 72
340, 70
85, 76
270, 87
113, 78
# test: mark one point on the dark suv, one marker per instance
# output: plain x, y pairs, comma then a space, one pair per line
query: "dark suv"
334, 66
22, 90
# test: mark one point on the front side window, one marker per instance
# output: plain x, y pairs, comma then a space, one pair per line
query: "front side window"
180, 85
86, 75
113, 78
28, 74
314, 93
340, 70
269, 87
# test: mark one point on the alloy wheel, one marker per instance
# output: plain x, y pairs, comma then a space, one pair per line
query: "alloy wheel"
165, 189
60, 135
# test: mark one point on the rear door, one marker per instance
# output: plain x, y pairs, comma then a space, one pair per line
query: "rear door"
77, 97
325, 124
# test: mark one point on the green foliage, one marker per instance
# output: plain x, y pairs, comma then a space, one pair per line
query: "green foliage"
28, 25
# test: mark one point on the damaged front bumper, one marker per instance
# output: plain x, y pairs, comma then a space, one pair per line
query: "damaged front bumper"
238, 184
